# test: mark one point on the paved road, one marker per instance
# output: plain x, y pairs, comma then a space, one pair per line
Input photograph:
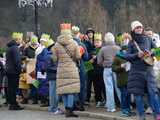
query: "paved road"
34, 115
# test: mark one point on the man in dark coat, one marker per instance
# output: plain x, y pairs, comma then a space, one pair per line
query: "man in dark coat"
141, 75
13, 69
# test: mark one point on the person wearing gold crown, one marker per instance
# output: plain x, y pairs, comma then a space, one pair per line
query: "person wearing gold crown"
29, 52
13, 69
51, 70
41, 54
79, 104
97, 76
66, 51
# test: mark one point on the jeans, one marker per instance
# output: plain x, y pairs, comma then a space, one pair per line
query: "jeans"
125, 99
68, 100
118, 92
108, 80
83, 85
53, 98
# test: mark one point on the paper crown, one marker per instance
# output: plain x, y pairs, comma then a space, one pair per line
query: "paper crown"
75, 29
34, 39
97, 36
65, 28
49, 42
45, 37
16, 35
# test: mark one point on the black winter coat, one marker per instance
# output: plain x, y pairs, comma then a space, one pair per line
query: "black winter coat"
13, 58
138, 74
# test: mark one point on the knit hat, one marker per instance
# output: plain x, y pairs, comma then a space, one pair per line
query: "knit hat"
90, 30
109, 37
135, 24
65, 28
44, 37
34, 39
75, 29
16, 35
98, 36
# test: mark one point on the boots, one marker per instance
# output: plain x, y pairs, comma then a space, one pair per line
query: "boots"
78, 107
70, 113
24, 101
44, 101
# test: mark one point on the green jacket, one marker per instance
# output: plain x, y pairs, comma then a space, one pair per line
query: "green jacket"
122, 75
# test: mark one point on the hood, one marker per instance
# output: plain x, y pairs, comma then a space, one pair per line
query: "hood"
12, 43
65, 39
39, 50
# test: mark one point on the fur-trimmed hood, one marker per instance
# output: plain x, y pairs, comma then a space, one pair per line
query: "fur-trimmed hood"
65, 39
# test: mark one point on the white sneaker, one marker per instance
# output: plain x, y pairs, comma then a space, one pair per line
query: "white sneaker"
99, 104
112, 110
58, 112
149, 110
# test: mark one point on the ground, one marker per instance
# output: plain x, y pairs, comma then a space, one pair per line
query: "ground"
34, 115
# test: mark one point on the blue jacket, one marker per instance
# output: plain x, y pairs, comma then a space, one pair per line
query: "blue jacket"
40, 62
85, 55
90, 48
51, 66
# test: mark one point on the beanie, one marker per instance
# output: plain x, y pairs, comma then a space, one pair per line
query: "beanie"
135, 24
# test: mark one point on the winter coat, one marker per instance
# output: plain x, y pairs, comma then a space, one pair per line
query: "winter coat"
97, 69
68, 80
23, 76
85, 56
13, 58
51, 68
23, 81
106, 54
2, 73
30, 52
90, 49
139, 69
41, 56
157, 72
121, 73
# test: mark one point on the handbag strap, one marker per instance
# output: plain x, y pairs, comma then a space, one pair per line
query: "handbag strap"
68, 52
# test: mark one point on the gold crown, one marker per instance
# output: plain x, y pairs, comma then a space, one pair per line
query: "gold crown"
16, 35
97, 36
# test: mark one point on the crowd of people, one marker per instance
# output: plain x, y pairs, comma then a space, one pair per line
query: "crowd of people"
122, 71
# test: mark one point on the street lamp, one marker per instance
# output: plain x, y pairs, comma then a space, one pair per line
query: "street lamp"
35, 4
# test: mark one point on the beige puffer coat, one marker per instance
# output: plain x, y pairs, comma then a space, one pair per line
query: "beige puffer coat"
68, 80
